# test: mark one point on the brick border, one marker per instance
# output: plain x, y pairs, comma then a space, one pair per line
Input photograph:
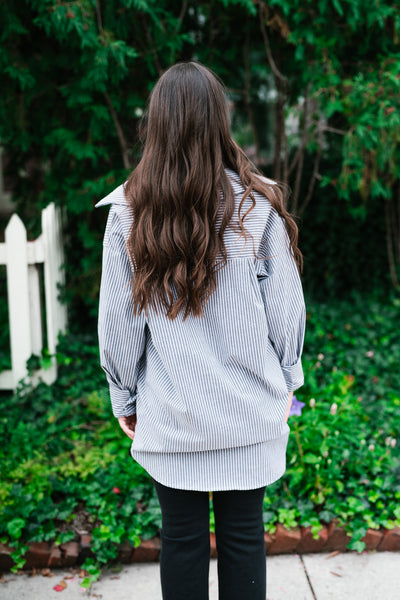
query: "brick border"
283, 541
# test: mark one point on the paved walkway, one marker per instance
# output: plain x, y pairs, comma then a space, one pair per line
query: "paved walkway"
343, 576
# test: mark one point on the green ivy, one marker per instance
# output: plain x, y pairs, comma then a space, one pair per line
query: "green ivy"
63, 456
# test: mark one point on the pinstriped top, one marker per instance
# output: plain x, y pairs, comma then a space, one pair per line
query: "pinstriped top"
210, 393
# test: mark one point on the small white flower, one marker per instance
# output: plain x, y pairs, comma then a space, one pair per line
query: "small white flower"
371, 447
329, 461
312, 402
318, 364
333, 409
336, 432
393, 442
363, 442
325, 454
370, 353
321, 356
138, 112
388, 440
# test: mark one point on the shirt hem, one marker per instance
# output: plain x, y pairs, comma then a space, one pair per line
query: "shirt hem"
240, 468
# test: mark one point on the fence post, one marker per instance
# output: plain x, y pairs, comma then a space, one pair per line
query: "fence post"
53, 274
18, 297
35, 309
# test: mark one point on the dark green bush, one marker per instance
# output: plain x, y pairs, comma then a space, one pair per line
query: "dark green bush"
75, 79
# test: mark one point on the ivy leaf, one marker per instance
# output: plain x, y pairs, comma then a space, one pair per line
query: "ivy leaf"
15, 527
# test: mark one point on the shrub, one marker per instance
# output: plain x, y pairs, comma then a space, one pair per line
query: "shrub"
66, 466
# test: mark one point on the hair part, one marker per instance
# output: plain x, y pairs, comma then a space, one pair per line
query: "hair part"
180, 186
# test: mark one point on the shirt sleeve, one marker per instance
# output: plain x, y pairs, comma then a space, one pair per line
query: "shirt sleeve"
283, 299
121, 333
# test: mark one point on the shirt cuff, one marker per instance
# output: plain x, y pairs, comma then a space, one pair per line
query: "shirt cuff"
294, 376
123, 404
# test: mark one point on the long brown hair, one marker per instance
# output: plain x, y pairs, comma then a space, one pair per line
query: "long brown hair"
178, 189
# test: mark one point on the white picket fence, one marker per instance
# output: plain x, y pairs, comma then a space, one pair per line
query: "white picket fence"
23, 260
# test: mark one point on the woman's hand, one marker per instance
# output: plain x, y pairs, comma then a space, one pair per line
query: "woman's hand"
289, 406
128, 425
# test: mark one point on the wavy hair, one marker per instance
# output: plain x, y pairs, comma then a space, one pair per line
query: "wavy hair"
180, 186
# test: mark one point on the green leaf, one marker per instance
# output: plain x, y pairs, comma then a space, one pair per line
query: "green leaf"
338, 7
358, 546
15, 527
311, 459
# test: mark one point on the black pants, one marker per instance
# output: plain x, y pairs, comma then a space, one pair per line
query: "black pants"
185, 544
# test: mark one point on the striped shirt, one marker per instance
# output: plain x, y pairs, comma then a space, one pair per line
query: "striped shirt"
210, 393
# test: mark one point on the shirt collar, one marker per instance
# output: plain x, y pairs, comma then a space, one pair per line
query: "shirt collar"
117, 196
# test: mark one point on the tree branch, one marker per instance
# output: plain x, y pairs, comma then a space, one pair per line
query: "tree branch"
389, 246
279, 130
282, 87
153, 50
99, 19
268, 52
285, 175
398, 224
247, 100
334, 130
322, 128
300, 163
395, 222
304, 138
181, 15
120, 134
315, 174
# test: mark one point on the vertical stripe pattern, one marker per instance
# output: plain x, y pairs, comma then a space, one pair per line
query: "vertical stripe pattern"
210, 393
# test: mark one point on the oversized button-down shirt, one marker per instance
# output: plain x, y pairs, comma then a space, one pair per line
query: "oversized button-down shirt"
214, 382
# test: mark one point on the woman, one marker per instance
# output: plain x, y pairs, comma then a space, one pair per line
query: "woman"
201, 328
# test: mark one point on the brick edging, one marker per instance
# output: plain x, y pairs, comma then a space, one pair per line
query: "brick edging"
283, 541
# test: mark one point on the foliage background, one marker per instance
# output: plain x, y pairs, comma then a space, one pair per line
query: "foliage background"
66, 466
76, 76
314, 89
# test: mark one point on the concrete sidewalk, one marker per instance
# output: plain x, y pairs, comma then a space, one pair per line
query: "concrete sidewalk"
342, 576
